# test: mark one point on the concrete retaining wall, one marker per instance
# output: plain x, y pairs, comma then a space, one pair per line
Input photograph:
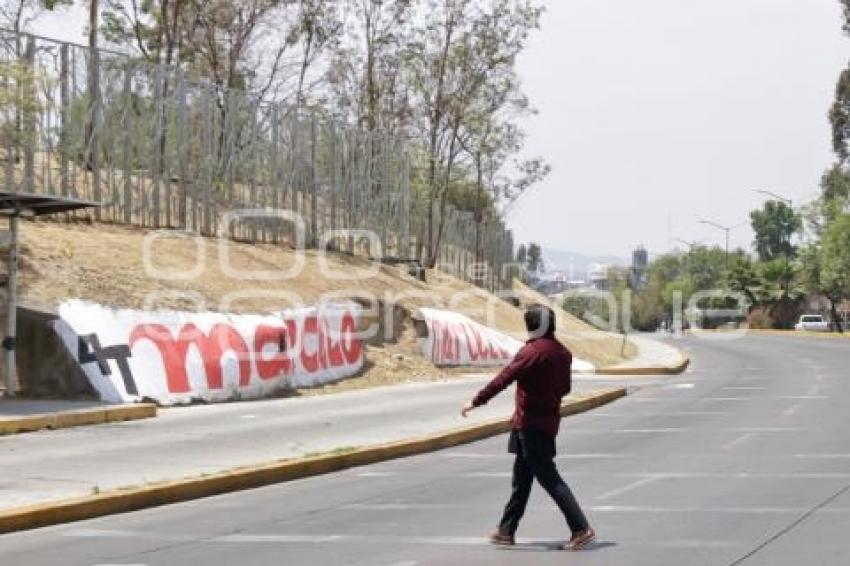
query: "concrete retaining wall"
45, 368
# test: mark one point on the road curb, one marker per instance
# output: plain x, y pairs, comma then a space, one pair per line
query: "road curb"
131, 499
77, 417
675, 369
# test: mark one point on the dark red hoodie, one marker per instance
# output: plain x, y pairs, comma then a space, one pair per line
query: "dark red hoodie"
541, 369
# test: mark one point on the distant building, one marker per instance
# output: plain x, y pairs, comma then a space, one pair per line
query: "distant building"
597, 276
639, 273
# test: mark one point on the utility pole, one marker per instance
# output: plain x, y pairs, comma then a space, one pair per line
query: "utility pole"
726, 229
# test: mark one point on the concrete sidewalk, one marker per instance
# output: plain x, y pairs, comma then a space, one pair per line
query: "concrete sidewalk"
191, 441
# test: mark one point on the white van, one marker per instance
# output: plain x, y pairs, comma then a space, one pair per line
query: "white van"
813, 323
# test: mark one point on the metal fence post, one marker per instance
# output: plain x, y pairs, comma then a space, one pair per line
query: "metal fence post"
127, 155
182, 148
30, 101
64, 101
314, 189
208, 161
94, 138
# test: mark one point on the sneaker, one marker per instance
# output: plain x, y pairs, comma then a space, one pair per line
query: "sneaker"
581, 539
501, 538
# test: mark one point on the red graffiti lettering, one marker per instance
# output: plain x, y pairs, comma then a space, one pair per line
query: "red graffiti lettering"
310, 360
211, 347
278, 363
351, 347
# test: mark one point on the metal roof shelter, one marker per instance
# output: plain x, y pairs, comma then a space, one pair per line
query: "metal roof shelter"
15, 205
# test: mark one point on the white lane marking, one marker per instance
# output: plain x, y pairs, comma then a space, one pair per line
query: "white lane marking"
738, 441
593, 456
397, 506
631, 415
686, 475
648, 430
722, 510
100, 533
744, 388
441, 540
280, 538
476, 455
378, 507
627, 488
804, 397
767, 429
680, 386
405, 563
438, 541
823, 456
489, 475
120, 564
249, 416
712, 399
376, 474
694, 413
506, 456
792, 410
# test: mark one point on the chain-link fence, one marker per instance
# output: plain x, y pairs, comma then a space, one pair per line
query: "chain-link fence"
162, 149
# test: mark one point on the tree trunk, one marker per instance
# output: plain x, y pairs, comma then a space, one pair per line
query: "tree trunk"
838, 326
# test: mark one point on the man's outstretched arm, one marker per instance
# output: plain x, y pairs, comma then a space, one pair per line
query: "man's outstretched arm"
523, 360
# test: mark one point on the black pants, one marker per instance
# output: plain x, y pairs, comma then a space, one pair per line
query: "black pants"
535, 453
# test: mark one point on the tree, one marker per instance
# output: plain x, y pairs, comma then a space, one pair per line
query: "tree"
743, 277
774, 225
839, 113
463, 51
18, 15
839, 117
522, 254
535, 258
835, 263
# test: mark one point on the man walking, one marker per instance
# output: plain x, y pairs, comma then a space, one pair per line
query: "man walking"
542, 371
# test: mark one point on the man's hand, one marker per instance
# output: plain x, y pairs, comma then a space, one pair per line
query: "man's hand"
466, 409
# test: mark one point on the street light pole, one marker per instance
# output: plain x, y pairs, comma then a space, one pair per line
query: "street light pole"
726, 229
691, 245
781, 198
787, 201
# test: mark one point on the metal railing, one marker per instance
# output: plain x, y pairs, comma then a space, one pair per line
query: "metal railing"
162, 149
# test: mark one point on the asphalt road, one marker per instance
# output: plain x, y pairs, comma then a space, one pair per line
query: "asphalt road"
744, 459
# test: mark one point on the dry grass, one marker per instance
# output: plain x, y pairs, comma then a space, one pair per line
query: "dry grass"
104, 263
587, 342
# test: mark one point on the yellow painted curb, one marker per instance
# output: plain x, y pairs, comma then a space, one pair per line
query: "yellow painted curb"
648, 370
78, 417
783, 333
131, 499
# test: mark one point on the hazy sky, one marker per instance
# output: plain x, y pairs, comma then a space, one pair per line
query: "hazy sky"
655, 114
663, 112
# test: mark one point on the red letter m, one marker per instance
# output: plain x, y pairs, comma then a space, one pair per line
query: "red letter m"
221, 338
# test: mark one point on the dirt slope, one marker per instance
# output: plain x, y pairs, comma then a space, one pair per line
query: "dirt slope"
106, 264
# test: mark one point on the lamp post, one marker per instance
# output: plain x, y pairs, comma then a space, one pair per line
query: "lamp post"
726, 229
781, 198
691, 245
